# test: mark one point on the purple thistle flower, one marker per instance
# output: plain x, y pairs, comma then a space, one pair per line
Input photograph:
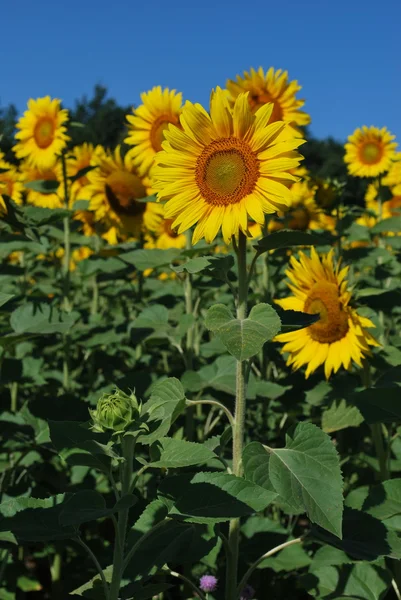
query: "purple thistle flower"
208, 583
247, 593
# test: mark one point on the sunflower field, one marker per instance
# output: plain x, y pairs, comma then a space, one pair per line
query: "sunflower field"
200, 353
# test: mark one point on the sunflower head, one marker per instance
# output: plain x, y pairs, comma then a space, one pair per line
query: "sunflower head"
319, 286
272, 86
10, 181
114, 189
30, 173
42, 134
225, 168
148, 123
160, 230
369, 151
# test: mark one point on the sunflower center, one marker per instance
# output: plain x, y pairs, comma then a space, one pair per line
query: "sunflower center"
258, 100
122, 191
44, 132
226, 171
323, 299
157, 131
168, 230
299, 218
371, 153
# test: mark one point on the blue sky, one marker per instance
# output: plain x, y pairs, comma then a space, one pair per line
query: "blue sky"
345, 53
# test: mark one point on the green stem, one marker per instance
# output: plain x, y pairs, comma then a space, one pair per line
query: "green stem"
251, 569
95, 296
189, 583
213, 403
14, 396
377, 437
128, 447
66, 274
239, 421
376, 430
189, 346
97, 565
56, 575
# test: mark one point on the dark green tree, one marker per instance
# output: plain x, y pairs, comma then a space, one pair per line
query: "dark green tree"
102, 117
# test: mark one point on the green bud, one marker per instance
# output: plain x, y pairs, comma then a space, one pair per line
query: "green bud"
115, 411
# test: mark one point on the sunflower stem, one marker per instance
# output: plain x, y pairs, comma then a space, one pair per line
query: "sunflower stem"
128, 447
189, 345
66, 274
376, 431
239, 421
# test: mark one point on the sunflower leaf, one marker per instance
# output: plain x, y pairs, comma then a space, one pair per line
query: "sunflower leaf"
287, 239
243, 338
44, 186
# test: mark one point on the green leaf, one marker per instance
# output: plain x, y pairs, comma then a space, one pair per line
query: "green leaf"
7, 537
89, 505
39, 216
211, 497
94, 587
339, 416
44, 186
80, 205
287, 239
81, 173
306, 473
5, 298
243, 338
245, 491
172, 453
219, 266
388, 225
384, 500
34, 519
41, 319
293, 319
361, 581
289, 559
150, 259
154, 317
194, 265
78, 445
379, 405
166, 403
364, 537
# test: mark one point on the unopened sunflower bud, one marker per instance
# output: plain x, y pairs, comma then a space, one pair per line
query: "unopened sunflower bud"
115, 411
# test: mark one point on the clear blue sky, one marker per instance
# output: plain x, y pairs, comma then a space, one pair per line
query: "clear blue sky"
345, 53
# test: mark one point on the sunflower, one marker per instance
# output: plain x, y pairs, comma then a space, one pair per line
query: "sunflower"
31, 173
393, 178
114, 188
303, 213
42, 133
81, 157
320, 286
223, 168
272, 86
369, 151
161, 229
10, 181
149, 122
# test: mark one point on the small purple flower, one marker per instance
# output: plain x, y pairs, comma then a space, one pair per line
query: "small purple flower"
247, 593
208, 583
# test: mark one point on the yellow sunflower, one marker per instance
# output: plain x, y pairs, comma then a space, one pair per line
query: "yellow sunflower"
272, 86
369, 151
320, 286
393, 178
80, 158
149, 122
161, 229
32, 173
42, 133
114, 188
303, 212
10, 181
223, 168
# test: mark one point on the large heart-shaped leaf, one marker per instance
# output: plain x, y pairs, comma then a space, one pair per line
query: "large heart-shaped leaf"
243, 338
